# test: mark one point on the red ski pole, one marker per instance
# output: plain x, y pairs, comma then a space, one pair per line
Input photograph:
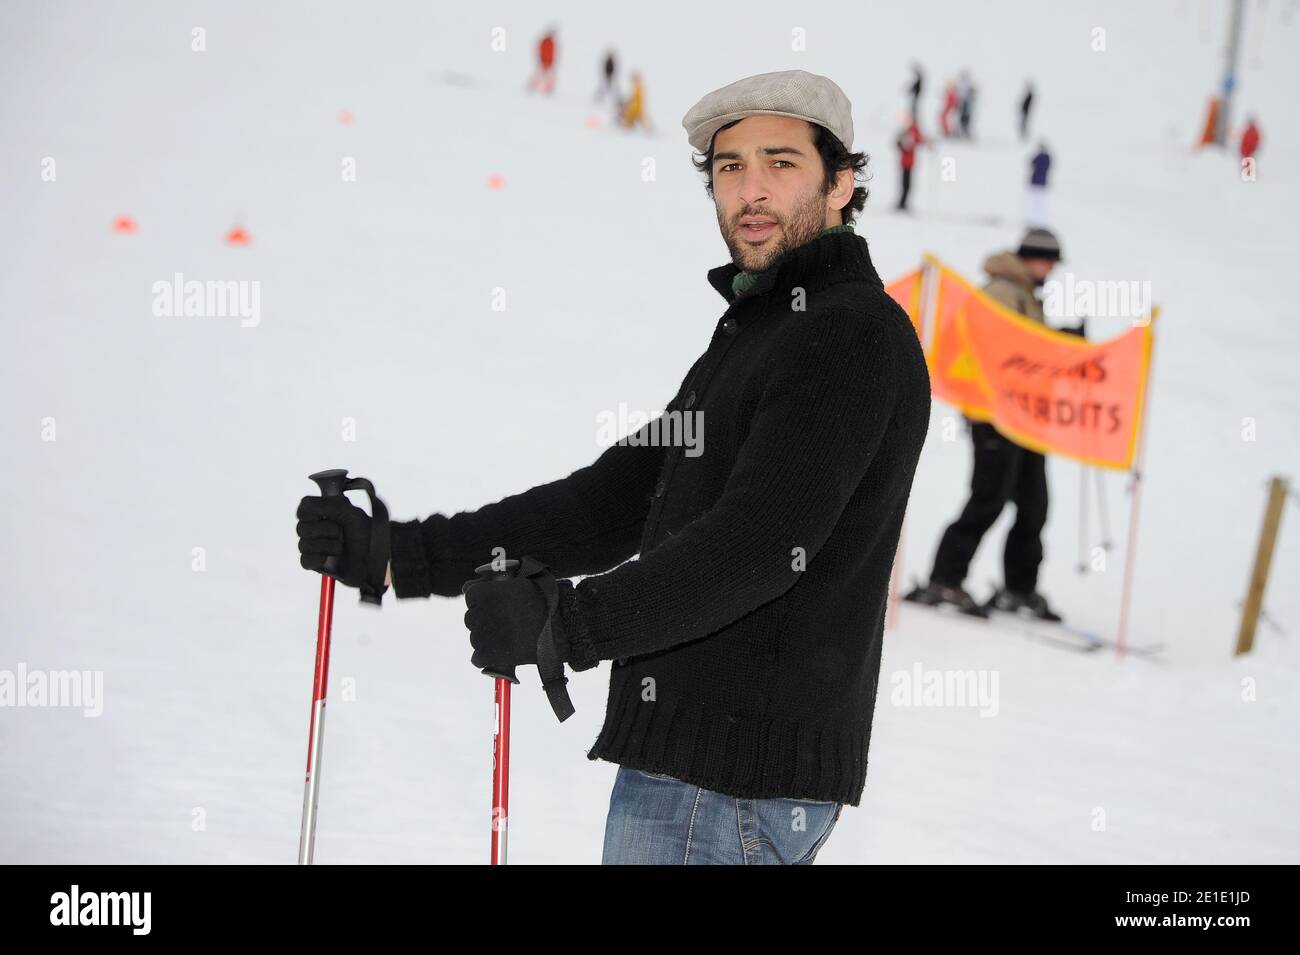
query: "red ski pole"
500, 770
503, 678
331, 484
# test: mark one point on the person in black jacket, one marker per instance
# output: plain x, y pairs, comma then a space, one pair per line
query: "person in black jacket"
1002, 472
914, 91
608, 86
746, 639
1026, 104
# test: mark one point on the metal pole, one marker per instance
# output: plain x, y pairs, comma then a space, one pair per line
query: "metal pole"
1230, 71
331, 484
501, 771
1126, 597
316, 734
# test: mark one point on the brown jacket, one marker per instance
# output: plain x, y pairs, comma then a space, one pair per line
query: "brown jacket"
1011, 284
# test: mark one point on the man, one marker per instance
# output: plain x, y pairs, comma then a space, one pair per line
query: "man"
1039, 166
1026, 104
1250, 139
543, 77
607, 86
909, 140
746, 639
914, 89
1003, 471
965, 103
949, 110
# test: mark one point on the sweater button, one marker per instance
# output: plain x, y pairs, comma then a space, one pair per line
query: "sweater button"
690, 399
729, 326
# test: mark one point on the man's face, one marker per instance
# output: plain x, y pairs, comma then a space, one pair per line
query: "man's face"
1040, 269
767, 189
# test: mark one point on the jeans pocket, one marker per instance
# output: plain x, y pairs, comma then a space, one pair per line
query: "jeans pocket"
826, 834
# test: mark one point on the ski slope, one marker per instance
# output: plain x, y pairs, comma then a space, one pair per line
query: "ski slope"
377, 348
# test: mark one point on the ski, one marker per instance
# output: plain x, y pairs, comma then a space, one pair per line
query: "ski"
1063, 636
1057, 634
1075, 638
1073, 641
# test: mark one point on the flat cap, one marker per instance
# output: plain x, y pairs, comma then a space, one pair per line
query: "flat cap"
795, 93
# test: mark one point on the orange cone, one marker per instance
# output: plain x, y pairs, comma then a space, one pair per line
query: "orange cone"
125, 225
496, 181
238, 236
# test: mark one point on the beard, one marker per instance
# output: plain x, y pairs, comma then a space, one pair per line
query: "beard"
804, 222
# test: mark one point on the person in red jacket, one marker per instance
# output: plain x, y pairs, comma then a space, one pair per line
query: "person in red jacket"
909, 140
949, 108
543, 77
1249, 139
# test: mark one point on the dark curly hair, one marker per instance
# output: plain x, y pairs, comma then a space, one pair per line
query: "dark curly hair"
835, 157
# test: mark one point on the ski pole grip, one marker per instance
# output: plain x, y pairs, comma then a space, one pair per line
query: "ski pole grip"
331, 484
489, 572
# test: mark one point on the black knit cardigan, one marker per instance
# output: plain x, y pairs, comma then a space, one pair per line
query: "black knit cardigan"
746, 637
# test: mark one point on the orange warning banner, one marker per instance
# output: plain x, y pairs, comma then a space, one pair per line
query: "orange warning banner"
954, 377
906, 291
1046, 390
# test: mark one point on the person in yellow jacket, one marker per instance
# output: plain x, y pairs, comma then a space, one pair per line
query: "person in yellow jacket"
634, 106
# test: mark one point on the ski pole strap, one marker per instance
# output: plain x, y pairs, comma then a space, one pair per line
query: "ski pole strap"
372, 591
549, 665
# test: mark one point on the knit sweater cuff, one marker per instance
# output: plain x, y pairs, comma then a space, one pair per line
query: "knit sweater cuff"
411, 572
569, 630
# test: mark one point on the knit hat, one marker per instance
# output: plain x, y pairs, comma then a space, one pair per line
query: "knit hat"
794, 93
1040, 244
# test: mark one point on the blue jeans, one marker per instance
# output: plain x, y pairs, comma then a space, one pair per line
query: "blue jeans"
659, 820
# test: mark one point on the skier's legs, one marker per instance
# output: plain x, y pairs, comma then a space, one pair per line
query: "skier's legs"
658, 820
1037, 217
907, 188
1024, 548
993, 478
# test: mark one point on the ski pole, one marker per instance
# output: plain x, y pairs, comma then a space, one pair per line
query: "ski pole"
1082, 566
331, 485
1102, 510
502, 679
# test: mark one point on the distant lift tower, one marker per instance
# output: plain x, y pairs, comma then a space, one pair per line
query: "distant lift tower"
1230, 71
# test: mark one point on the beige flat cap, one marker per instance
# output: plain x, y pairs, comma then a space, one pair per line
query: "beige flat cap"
795, 93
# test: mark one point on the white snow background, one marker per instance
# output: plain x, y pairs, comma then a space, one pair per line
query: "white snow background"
376, 305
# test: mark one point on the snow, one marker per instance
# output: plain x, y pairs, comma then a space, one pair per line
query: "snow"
376, 306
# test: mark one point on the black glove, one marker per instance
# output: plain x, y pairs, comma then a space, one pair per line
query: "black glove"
1081, 329
513, 622
335, 527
